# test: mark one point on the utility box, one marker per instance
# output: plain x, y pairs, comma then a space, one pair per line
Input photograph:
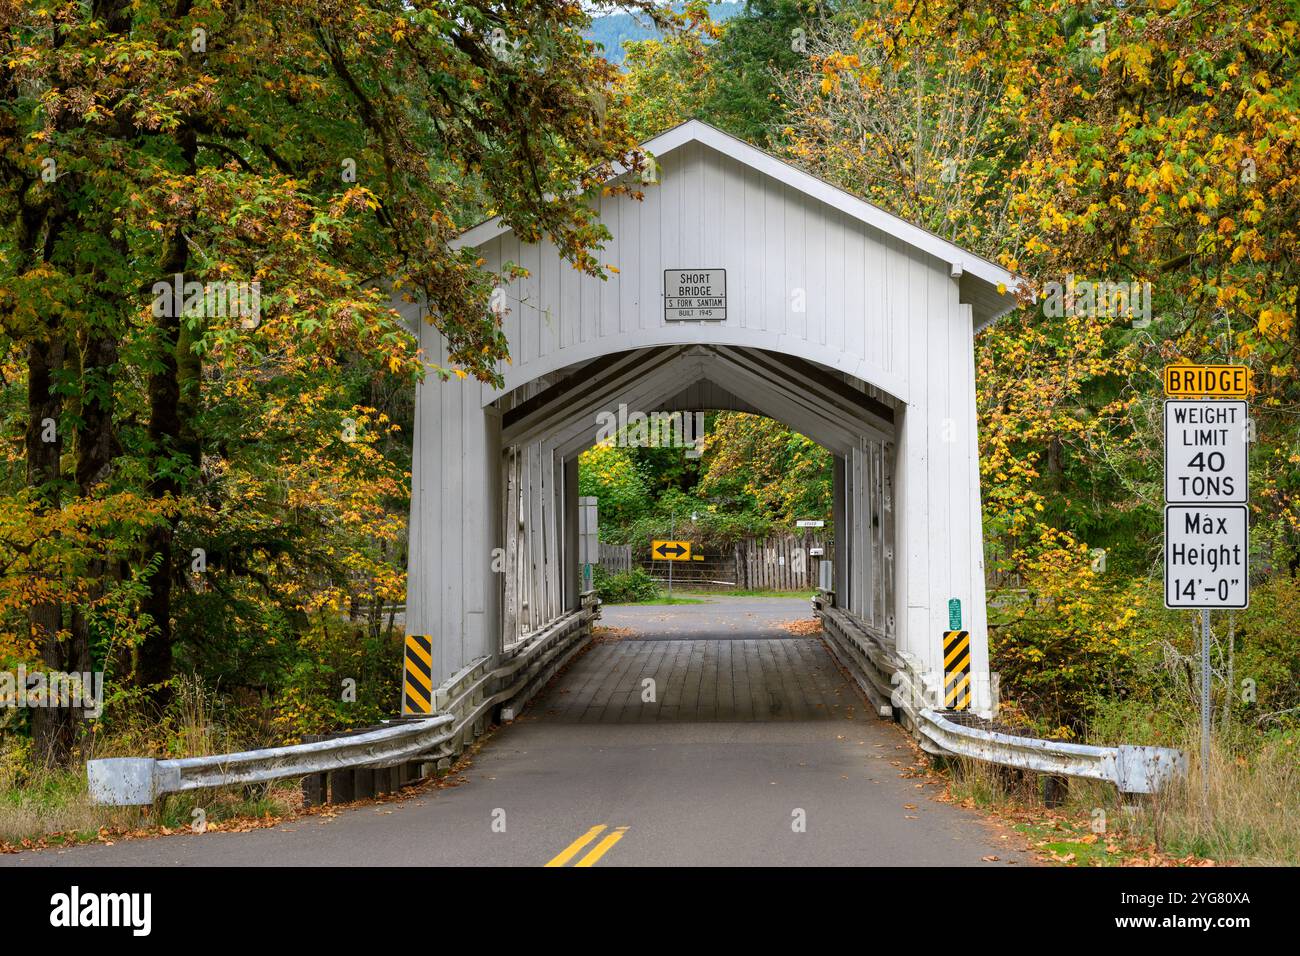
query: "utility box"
588, 540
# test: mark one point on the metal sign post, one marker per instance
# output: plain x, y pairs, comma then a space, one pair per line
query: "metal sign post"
1207, 438
1205, 706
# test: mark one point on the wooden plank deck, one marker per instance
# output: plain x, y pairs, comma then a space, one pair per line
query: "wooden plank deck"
708, 680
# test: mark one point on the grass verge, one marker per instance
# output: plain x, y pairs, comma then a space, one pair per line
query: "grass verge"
1251, 815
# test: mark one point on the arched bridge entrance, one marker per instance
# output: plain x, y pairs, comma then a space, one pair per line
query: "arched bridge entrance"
743, 284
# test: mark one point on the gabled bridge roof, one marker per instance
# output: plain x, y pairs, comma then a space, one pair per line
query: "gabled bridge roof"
986, 286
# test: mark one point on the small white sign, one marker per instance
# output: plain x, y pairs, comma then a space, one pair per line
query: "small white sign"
815, 552
1206, 549
1206, 450
695, 295
808, 523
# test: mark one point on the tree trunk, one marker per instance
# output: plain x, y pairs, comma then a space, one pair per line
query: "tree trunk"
173, 399
1056, 463
154, 658
96, 448
53, 729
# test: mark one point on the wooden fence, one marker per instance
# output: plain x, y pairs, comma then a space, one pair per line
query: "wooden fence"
784, 563
771, 564
616, 557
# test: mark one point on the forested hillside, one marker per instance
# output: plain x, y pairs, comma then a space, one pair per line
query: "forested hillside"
611, 31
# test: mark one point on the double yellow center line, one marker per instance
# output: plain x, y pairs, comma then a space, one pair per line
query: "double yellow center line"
599, 850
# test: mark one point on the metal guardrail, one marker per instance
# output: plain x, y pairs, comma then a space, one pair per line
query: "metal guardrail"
463, 700
1131, 768
135, 781
536, 658
893, 682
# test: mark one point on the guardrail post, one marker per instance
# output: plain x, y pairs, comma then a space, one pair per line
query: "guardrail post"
315, 788
476, 728
1055, 789
341, 786
363, 783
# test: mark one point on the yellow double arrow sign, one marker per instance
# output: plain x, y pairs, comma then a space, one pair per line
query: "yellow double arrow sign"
599, 850
670, 550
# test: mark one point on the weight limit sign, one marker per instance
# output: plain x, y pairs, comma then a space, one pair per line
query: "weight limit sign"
1206, 450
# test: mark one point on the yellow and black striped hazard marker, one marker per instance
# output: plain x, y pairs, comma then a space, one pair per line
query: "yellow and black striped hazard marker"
956, 670
417, 676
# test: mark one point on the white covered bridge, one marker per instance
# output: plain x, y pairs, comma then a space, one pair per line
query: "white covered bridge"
825, 312
742, 284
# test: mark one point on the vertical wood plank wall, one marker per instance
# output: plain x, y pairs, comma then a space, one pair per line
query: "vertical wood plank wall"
875, 308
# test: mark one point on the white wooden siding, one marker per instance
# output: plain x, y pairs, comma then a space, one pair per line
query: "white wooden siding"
880, 308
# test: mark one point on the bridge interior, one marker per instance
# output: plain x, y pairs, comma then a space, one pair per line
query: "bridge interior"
728, 659
547, 424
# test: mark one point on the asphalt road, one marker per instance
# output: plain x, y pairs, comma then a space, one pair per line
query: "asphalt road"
753, 751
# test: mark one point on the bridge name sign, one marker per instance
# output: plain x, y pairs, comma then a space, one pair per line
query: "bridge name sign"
693, 295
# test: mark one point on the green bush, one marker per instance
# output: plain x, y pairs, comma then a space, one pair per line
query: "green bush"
624, 587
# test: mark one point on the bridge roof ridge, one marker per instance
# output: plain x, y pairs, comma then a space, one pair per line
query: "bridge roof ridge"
997, 297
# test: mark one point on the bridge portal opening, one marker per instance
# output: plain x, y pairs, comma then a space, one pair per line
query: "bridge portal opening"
583, 431
648, 395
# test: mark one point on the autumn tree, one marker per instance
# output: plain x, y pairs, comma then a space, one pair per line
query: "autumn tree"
765, 467
926, 137
327, 153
